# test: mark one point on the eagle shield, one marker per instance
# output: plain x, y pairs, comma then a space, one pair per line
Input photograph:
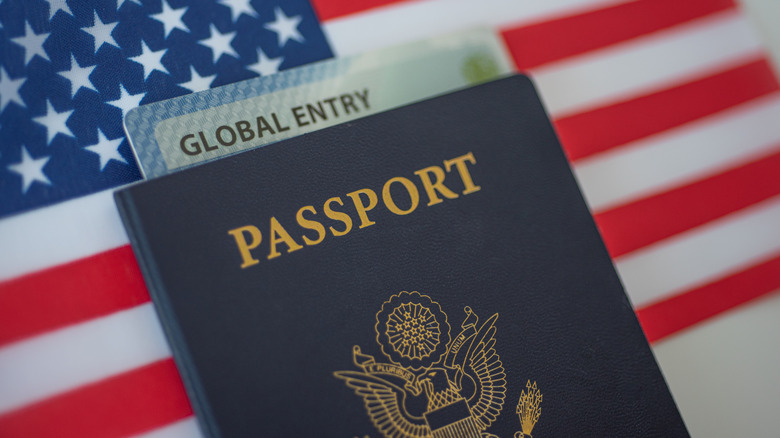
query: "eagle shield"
433, 386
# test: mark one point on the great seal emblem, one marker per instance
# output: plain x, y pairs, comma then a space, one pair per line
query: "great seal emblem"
433, 386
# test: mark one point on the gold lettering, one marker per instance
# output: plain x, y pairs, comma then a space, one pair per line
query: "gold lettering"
310, 225
280, 235
248, 238
410, 187
245, 248
438, 185
361, 208
463, 171
338, 216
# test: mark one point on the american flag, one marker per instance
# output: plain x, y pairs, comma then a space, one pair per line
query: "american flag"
668, 110
70, 70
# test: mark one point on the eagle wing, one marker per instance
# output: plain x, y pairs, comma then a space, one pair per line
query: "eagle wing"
383, 403
488, 372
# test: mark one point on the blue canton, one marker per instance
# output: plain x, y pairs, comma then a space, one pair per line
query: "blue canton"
70, 70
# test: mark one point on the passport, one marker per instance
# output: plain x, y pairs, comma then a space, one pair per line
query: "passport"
429, 271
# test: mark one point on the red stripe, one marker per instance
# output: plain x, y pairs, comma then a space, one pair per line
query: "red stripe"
671, 315
78, 291
329, 9
535, 45
641, 223
130, 403
591, 132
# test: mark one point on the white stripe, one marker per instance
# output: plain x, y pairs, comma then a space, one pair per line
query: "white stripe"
681, 155
639, 66
187, 428
406, 22
58, 234
698, 256
46, 365
724, 374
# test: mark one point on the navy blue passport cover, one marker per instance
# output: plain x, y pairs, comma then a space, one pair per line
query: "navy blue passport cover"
431, 271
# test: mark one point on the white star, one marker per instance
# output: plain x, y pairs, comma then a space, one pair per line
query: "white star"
102, 33
150, 60
265, 66
54, 122
127, 101
220, 43
198, 82
107, 150
238, 7
286, 28
119, 3
31, 170
32, 43
171, 18
9, 90
78, 76
61, 6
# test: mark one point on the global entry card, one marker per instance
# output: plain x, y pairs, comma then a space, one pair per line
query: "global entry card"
193, 129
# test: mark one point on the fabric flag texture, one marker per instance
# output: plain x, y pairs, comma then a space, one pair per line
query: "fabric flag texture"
668, 111
70, 70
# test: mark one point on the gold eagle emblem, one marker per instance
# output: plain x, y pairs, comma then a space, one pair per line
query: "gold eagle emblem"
434, 386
